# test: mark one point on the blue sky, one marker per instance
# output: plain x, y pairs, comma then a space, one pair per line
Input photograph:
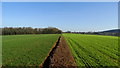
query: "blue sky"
60, 0
73, 16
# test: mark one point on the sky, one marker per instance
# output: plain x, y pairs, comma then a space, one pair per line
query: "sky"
0, 14
72, 16
59, 0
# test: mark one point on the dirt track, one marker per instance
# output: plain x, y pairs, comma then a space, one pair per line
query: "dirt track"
60, 56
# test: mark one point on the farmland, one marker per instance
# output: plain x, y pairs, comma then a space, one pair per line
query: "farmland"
26, 50
93, 50
85, 50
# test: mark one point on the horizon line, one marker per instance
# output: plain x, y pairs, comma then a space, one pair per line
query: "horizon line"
66, 30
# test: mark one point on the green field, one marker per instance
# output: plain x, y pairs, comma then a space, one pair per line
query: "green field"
87, 50
26, 50
93, 50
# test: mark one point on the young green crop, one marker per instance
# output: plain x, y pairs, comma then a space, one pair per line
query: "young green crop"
93, 50
26, 50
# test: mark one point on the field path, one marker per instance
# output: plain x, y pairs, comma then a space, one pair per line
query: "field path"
60, 56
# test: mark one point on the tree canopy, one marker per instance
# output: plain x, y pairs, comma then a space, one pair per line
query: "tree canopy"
29, 30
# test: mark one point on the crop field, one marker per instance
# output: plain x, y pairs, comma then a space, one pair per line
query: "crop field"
93, 50
87, 50
26, 50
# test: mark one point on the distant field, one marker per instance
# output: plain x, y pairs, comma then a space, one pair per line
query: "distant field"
26, 50
93, 50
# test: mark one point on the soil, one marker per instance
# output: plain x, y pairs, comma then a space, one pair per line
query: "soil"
60, 56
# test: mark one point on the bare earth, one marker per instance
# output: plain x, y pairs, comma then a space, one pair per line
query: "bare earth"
62, 57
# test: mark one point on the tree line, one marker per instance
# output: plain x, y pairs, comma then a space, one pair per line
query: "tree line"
29, 30
97, 33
